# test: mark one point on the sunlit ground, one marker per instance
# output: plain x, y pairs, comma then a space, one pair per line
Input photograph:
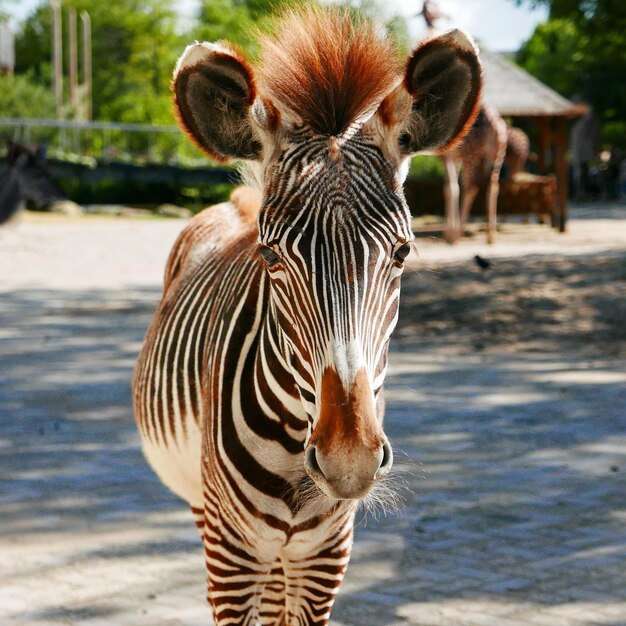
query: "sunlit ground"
506, 407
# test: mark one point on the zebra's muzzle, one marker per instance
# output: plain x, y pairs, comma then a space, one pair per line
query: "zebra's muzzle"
348, 451
351, 475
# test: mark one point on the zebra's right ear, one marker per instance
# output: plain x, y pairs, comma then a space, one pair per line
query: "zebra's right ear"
216, 102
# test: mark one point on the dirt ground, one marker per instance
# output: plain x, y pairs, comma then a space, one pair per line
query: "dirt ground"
531, 305
506, 405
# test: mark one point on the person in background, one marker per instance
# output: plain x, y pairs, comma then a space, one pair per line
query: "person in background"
584, 140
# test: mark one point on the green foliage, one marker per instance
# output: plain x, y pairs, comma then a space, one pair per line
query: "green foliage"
224, 19
21, 96
115, 191
426, 168
579, 10
614, 133
238, 20
555, 54
135, 45
33, 43
198, 197
398, 29
581, 51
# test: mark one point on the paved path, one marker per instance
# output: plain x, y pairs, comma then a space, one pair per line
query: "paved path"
511, 465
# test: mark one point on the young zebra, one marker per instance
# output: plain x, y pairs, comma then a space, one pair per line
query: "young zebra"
479, 159
258, 392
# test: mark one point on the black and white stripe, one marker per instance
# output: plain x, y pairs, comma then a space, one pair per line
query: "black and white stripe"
227, 386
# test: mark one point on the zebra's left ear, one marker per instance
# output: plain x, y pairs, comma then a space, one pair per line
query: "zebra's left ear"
438, 100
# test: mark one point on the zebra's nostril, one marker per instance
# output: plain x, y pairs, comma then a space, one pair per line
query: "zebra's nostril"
386, 462
310, 461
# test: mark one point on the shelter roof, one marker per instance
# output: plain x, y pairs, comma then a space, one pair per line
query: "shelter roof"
514, 92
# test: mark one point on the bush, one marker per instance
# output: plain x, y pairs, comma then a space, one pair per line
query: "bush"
21, 96
426, 168
614, 134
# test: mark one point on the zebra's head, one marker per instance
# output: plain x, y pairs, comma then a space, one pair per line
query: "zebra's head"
329, 125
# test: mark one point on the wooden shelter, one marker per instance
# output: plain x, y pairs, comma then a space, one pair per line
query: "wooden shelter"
514, 93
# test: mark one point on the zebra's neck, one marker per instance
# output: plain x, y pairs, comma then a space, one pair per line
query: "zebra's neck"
279, 388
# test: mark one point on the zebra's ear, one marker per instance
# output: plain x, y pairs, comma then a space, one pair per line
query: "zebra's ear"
443, 82
216, 102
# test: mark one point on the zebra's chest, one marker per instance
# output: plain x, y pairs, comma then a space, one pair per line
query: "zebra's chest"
178, 462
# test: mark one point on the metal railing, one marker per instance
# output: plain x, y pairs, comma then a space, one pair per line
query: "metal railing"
103, 141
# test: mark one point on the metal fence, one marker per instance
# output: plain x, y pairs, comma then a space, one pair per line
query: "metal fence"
103, 142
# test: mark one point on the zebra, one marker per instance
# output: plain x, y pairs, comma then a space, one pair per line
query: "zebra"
259, 389
26, 182
479, 159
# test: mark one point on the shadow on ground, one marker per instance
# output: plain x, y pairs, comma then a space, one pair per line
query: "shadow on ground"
69, 448
509, 436
516, 468
532, 304
506, 406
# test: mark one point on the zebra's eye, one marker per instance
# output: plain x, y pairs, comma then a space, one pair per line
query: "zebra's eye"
401, 253
269, 256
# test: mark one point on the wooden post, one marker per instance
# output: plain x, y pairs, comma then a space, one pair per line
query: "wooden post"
57, 56
72, 60
560, 166
87, 97
541, 144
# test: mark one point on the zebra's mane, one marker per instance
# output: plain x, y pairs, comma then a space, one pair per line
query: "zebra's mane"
325, 68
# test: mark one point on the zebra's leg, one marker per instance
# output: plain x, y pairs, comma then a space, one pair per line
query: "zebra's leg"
451, 197
235, 590
236, 578
272, 611
312, 582
493, 188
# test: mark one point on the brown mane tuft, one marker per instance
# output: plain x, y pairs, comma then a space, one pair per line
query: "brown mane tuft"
326, 69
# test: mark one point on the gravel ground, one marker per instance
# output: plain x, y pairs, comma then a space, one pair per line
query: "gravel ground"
506, 405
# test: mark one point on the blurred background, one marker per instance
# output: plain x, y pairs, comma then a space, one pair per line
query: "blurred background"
84, 85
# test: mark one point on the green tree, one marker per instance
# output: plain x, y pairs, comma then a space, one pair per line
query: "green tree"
21, 96
237, 20
135, 45
224, 19
555, 54
581, 51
